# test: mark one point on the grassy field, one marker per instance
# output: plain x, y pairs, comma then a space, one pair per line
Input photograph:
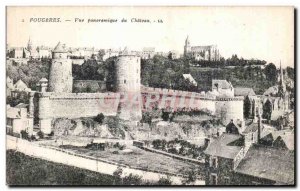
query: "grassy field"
139, 158
24, 170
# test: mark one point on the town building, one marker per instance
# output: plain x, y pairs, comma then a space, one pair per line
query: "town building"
207, 53
190, 78
222, 88
17, 120
248, 156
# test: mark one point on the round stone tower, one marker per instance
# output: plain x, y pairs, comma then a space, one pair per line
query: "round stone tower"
60, 77
228, 109
128, 84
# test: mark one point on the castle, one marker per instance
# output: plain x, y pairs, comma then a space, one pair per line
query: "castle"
56, 99
207, 53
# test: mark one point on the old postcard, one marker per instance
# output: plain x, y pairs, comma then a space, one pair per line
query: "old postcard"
194, 96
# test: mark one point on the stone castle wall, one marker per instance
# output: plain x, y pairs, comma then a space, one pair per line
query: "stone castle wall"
128, 73
76, 105
128, 81
175, 100
60, 77
72, 105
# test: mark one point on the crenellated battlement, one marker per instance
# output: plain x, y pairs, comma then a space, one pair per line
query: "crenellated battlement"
83, 96
176, 93
229, 99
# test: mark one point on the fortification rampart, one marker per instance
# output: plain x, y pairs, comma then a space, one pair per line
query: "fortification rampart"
74, 105
228, 109
177, 93
175, 100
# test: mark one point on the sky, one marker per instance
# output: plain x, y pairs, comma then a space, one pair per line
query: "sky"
265, 33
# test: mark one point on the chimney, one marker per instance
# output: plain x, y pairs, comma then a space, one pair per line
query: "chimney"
259, 125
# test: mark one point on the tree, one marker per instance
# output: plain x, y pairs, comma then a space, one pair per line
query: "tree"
117, 174
290, 72
24, 134
271, 73
165, 181
247, 107
146, 117
165, 115
132, 179
190, 178
40, 134
156, 144
99, 118
267, 110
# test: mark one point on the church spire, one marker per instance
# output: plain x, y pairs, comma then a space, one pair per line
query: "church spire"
187, 40
29, 44
281, 74
281, 85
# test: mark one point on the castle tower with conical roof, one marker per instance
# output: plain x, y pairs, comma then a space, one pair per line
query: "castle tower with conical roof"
60, 77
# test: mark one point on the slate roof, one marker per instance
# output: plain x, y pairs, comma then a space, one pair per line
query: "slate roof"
190, 78
13, 113
223, 84
20, 85
251, 127
43, 80
268, 163
287, 138
60, 48
9, 83
219, 147
149, 49
271, 91
21, 105
240, 91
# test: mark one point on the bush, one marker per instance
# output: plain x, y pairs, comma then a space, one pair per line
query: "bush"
40, 134
24, 134
99, 118
165, 116
118, 172
132, 180
51, 134
164, 181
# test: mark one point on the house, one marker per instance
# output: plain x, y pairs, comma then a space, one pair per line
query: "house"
17, 52
257, 155
266, 165
21, 86
17, 119
220, 154
9, 86
260, 165
190, 78
223, 88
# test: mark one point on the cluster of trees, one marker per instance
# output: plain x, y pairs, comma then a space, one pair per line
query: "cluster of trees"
233, 61
162, 72
21, 97
186, 148
29, 73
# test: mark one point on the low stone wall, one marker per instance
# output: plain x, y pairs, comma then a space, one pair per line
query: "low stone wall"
86, 162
